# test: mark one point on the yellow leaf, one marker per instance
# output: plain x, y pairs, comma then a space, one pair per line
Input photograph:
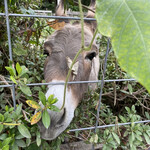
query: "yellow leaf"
11, 124
33, 104
36, 118
56, 24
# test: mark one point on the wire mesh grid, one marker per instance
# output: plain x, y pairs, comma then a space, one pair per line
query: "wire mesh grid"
102, 81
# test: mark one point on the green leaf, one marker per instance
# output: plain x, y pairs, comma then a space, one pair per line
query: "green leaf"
133, 147
28, 142
1, 118
13, 79
126, 22
11, 70
52, 100
6, 141
24, 131
3, 136
128, 110
38, 138
14, 146
147, 138
138, 137
133, 108
18, 110
20, 143
42, 97
130, 140
38, 141
147, 115
46, 119
6, 147
19, 49
107, 147
26, 90
116, 137
94, 138
123, 119
18, 68
54, 108
18, 137
148, 132
24, 70
1, 128
132, 136
130, 88
6, 108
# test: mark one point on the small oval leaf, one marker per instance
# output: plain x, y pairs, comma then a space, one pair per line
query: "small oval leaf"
11, 71
33, 104
42, 97
13, 79
24, 131
36, 118
116, 137
26, 90
18, 68
54, 108
46, 119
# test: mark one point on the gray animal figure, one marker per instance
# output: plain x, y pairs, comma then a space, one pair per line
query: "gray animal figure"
62, 45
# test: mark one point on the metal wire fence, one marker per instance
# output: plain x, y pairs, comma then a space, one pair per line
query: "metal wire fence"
102, 81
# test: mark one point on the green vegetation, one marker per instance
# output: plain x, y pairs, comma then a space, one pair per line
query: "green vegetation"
122, 101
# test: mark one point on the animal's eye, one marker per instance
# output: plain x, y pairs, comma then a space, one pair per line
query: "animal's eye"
46, 52
90, 55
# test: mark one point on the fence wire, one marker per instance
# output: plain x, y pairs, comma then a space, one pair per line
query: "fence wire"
12, 85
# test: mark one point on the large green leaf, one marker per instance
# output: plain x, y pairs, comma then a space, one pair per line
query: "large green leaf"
46, 119
24, 131
127, 23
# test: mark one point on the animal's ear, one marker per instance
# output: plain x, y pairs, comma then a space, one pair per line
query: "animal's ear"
60, 9
47, 48
91, 14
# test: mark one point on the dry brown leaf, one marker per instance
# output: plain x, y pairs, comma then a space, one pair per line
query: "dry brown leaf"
56, 24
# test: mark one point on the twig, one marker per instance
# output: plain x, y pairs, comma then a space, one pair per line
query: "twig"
24, 113
25, 116
141, 103
117, 126
5, 53
115, 93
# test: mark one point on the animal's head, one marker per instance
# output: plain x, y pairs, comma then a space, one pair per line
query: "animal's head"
61, 48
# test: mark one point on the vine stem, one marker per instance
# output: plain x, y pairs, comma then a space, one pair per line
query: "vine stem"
82, 24
68, 75
79, 52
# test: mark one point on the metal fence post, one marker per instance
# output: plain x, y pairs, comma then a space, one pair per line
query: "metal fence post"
10, 49
101, 88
